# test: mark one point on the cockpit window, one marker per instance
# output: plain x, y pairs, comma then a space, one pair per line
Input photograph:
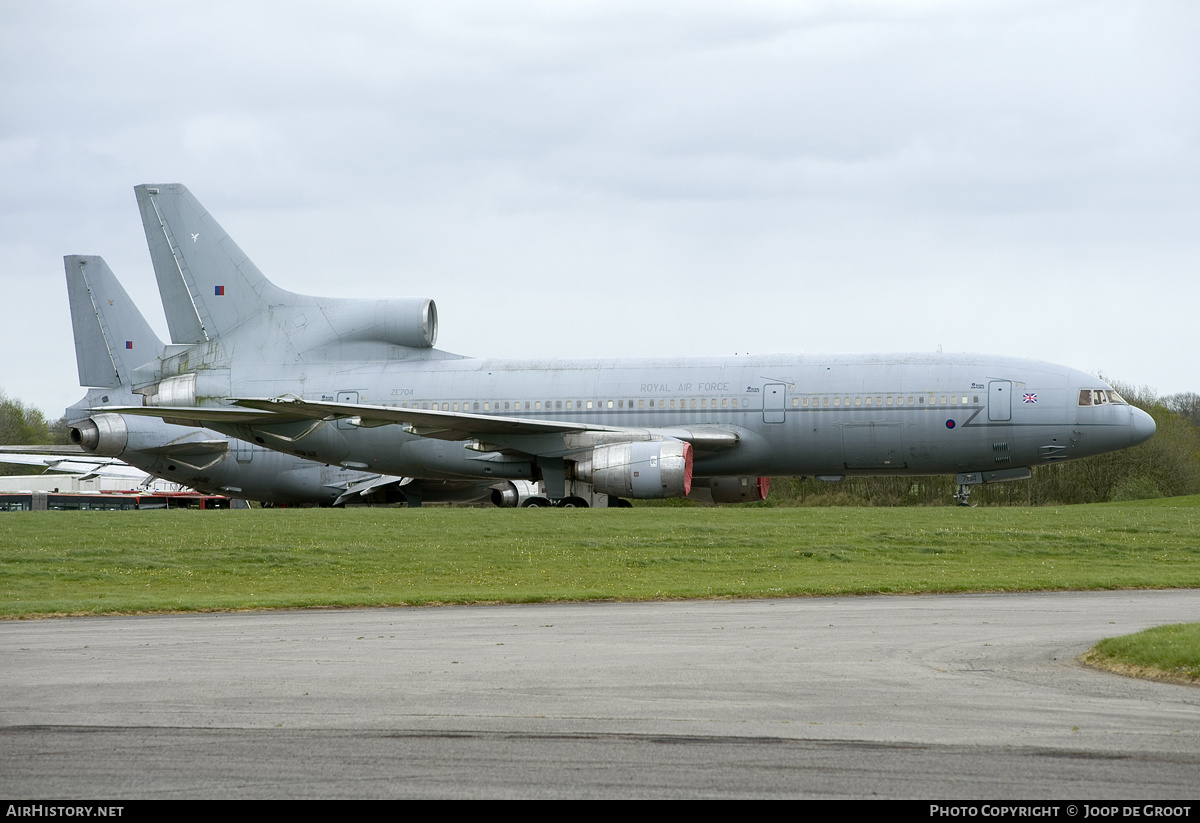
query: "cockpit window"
1099, 397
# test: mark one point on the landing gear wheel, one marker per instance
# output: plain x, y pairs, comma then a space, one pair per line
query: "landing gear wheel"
619, 503
963, 496
572, 503
536, 503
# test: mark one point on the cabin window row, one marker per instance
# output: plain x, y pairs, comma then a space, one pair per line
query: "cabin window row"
578, 405
883, 400
808, 402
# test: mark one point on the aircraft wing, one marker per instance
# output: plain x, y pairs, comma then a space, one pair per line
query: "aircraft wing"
507, 431
200, 415
513, 434
76, 464
442, 425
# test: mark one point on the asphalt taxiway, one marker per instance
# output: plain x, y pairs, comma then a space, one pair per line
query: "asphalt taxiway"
950, 696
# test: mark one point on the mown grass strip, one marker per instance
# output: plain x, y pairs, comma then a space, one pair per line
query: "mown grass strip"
1163, 653
104, 562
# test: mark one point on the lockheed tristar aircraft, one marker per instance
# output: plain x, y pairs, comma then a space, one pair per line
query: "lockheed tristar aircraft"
357, 383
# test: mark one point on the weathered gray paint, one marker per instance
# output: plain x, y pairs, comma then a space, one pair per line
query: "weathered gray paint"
276, 368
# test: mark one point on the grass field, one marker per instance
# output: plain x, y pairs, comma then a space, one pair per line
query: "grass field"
1163, 652
122, 562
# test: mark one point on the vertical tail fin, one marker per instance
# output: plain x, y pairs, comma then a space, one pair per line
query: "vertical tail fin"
208, 285
111, 335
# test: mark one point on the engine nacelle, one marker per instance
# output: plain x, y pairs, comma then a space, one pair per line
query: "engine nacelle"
402, 321
179, 390
511, 494
739, 489
643, 470
105, 435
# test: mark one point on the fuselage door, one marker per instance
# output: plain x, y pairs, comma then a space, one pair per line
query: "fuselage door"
1000, 400
774, 395
346, 397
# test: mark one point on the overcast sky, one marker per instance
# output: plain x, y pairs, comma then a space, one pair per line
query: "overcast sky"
619, 178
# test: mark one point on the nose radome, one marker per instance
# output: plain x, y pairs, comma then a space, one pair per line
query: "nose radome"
1141, 426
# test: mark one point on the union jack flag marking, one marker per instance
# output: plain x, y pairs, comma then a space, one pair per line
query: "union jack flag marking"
1029, 398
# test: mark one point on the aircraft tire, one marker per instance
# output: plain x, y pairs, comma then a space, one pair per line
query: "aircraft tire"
573, 503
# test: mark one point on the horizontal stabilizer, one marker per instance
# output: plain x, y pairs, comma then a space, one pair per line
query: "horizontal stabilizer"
190, 448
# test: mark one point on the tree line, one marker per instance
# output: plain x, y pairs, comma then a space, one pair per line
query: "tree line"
22, 425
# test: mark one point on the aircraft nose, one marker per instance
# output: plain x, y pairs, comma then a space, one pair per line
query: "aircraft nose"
1141, 426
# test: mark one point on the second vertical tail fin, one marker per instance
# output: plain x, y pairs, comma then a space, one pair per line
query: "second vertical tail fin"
111, 335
